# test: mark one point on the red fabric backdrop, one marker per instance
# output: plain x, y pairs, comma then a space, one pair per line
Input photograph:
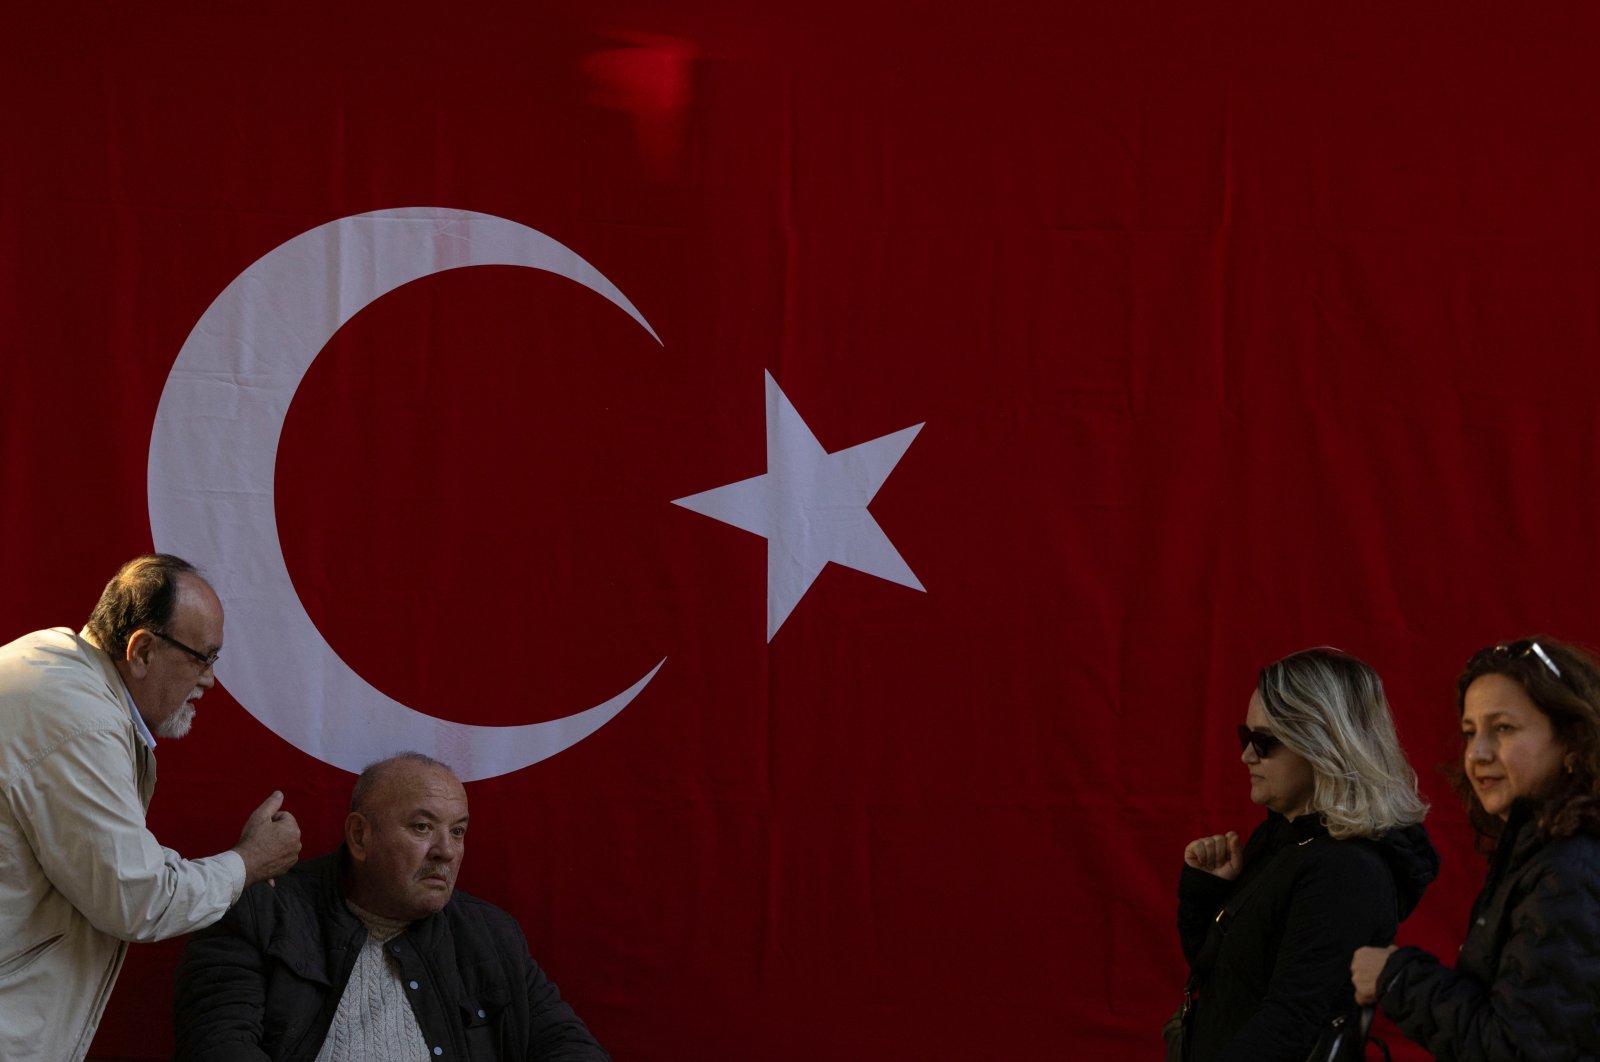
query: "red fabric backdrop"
1234, 329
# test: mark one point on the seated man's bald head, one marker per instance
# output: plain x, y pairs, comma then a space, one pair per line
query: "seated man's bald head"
374, 775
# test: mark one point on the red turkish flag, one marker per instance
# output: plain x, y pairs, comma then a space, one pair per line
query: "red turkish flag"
1229, 331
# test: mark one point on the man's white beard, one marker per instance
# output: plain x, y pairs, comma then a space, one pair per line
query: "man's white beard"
178, 723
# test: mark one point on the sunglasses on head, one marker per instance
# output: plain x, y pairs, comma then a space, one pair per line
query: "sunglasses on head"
1513, 651
1259, 740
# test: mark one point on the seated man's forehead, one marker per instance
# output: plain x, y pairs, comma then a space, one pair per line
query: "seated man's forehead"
439, 814
416, 778
434, 792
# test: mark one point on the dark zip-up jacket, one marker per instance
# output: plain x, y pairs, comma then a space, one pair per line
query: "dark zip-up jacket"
1282, 969
1526, 984
263, 983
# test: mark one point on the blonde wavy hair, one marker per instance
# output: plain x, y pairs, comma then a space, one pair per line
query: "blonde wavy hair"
1330, 708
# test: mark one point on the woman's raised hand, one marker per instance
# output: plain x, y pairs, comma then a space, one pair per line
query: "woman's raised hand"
1220, 854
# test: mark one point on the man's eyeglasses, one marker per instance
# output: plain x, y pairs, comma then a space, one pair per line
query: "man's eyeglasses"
205, 660
1514, 650
1259, 740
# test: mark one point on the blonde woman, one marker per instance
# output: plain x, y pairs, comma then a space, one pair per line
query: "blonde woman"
1268, 926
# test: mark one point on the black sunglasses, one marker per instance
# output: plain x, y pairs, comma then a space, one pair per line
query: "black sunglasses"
1259, 740
1513, 651
204, 660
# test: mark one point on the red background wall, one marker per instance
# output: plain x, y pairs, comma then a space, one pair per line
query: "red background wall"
1235, 328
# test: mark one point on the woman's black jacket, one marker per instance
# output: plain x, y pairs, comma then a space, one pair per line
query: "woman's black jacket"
1526, 984
1282, 965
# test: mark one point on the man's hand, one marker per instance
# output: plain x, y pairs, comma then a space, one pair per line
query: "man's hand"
270, 842
1365, 967
1220, 854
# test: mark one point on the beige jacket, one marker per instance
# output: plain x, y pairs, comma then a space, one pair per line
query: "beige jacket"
80, 875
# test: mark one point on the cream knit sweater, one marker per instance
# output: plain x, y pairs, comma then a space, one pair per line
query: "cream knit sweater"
375, 1022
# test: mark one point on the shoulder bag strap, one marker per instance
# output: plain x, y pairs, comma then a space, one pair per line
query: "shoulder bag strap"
1219, 927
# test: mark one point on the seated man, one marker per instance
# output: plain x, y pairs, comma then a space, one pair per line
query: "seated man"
366, 954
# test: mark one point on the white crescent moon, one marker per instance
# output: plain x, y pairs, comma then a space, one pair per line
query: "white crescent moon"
212, 458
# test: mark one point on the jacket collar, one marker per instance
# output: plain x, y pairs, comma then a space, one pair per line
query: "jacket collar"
1297, 830
326, 874
1521, 833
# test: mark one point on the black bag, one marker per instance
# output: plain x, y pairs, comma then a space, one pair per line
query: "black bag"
1345, 1038
1176, 1031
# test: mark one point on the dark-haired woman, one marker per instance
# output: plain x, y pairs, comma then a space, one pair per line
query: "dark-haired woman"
1526, 984
1268, 926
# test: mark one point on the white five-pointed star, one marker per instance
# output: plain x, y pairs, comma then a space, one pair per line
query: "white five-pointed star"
811, 507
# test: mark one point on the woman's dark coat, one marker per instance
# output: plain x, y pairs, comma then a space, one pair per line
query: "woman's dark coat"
1282, 969
1526, 984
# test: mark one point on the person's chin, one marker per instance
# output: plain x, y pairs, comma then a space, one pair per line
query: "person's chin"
1495, 806
177, 724
430, 904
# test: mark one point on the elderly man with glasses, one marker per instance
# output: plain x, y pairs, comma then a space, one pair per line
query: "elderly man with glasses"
80, 874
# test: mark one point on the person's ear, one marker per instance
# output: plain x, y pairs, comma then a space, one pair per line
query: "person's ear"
357, 834
141, 643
